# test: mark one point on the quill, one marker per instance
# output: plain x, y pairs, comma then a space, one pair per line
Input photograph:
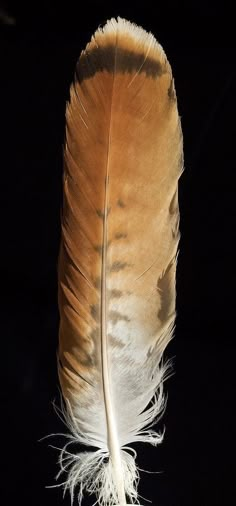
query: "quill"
117, 262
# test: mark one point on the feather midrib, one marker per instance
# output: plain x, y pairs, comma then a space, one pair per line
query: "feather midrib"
112, 433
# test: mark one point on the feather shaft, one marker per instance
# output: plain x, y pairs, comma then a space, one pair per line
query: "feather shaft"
113, 442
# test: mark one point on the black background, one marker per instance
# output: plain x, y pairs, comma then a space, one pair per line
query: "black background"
39, 48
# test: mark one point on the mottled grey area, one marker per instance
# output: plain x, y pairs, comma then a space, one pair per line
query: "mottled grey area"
120, 235
100, 213
173, 207
163, 286
115, 294
97, 283
118, 266
120, 203
95, 312
115, 316
114, 341
171, 91
98, 249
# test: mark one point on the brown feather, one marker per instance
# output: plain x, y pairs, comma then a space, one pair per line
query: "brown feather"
123, 158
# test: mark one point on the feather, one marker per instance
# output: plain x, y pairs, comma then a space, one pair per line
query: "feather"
117, 262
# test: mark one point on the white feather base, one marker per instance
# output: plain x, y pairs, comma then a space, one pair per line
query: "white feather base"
92, 471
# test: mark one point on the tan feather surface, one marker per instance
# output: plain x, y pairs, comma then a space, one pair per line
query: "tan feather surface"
120, 232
